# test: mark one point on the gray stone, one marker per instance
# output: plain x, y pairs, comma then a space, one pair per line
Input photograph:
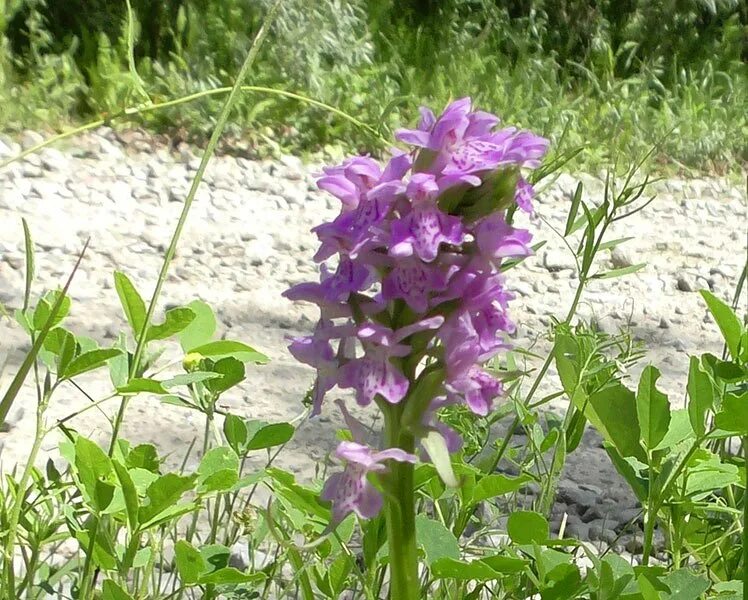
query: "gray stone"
557, 260
686, 283
29, 139
621, 258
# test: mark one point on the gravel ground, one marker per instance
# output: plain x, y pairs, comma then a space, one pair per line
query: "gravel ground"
247, 239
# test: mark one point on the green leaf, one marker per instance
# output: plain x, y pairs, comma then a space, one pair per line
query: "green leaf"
229, 575
612, 411
527, 527
436, 447
486, 569
700, 396
94, 468
492, 486
218, 470
190, 563
43, 312
143, 456
129, 493
231, 373
685, 585
190, 378
112, 591
164, 493
89, 361
28, 245
566, 352
734, 414
271, 435
609, 245
726, 320
238, 350
573, 209
202, 328
235, 430
175, 321
140, 385
119, 366
132, 303
619, 272
652, 408
679, 430
435, 539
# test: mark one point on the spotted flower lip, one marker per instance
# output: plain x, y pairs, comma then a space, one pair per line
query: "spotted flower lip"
411, 296
351, 491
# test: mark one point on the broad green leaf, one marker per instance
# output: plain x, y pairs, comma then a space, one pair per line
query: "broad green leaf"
231, 373
566, 351
492, 486
43, 310
94, 469
132, 303
729, 372
238, 350
612, 411
436, 447
143, 456
487, 569
190, 563
229, 575
678, 430
726, 320
202, 328
652, 408
218, 470
435, 539
235, 430
709, 474
89, 361
271, 435
175, 320
685, 585
700, 396
141, 385
129, 493
190, 378
619, 272
112, 591
527, 527
119, 366
734, 414
163, 493
588, 254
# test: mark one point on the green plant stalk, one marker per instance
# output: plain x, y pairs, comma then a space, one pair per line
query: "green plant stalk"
745, 521
400, 511
207, 155
15, 515
650, 514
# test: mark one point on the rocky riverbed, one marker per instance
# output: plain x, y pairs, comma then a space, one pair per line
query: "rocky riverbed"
247, 239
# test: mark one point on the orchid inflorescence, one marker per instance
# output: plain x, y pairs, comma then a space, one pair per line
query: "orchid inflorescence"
415, 301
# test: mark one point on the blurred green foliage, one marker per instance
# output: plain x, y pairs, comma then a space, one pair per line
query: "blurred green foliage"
619, 75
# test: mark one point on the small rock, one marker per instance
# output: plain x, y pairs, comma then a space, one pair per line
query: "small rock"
686, 283
30, 138
557, 261
664, 323
621, 258
54, 160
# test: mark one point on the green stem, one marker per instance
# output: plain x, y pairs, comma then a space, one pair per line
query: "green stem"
400, 513
745, 522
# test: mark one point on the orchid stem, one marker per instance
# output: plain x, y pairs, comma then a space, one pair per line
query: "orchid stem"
400, 513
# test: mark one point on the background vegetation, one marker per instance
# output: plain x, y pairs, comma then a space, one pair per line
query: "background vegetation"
619, 75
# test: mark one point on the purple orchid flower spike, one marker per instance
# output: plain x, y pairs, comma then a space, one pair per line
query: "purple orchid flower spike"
414, 281
523, 196
497, 239
351, 490
476, 388
351, 181
374, 373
